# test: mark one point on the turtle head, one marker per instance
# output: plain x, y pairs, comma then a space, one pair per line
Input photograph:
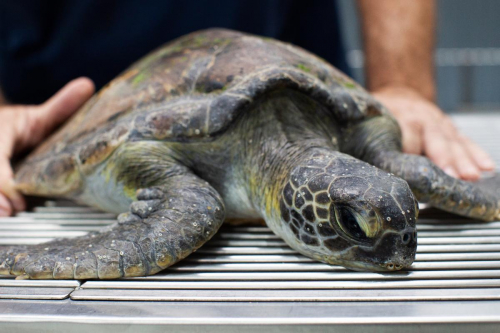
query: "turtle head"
347, 212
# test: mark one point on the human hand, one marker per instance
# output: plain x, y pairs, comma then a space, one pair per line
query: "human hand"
427, 130
24, 126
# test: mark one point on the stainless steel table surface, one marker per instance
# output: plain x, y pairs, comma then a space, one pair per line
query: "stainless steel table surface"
246, 279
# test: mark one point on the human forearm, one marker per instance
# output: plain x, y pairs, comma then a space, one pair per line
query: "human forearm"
399, 41
399, 47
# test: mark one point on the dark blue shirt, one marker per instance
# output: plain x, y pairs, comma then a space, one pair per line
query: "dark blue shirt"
44, 44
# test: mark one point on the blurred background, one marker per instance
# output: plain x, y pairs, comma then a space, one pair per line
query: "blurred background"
467, 53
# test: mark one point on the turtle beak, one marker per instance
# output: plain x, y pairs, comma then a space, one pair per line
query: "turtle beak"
392, 252
396, 251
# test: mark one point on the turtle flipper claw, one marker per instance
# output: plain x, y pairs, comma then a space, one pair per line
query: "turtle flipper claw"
161, 228
151, 193
144, 208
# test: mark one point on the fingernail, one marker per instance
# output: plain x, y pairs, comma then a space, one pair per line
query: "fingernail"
471, 175
450, 172
487, 164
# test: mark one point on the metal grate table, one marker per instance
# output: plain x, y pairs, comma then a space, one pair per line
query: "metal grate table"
247, 278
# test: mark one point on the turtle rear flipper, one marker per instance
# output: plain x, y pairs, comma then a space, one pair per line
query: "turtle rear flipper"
164, 225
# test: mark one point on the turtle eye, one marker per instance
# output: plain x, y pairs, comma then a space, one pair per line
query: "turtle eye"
348, 221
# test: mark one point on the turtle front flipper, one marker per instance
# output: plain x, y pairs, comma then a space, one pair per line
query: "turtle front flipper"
378, 141
432, 185
490, 184
165, 224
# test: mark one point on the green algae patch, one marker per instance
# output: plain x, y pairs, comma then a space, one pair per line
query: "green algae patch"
349, 85
138, 78
304, 68
199, 40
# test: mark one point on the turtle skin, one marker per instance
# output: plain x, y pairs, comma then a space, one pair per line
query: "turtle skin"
220, 125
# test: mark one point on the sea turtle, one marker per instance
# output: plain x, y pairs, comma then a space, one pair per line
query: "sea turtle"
223, 125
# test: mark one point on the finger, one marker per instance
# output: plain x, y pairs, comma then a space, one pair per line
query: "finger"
5, 207
465, 166
463, 158
437, 148
478, 155
8, 122
58, 108
412, 140
13, 199
447, 126
70, 97
17, 199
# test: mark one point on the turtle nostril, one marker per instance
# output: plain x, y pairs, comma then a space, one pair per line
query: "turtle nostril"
398, 267
390, 266
406, 237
